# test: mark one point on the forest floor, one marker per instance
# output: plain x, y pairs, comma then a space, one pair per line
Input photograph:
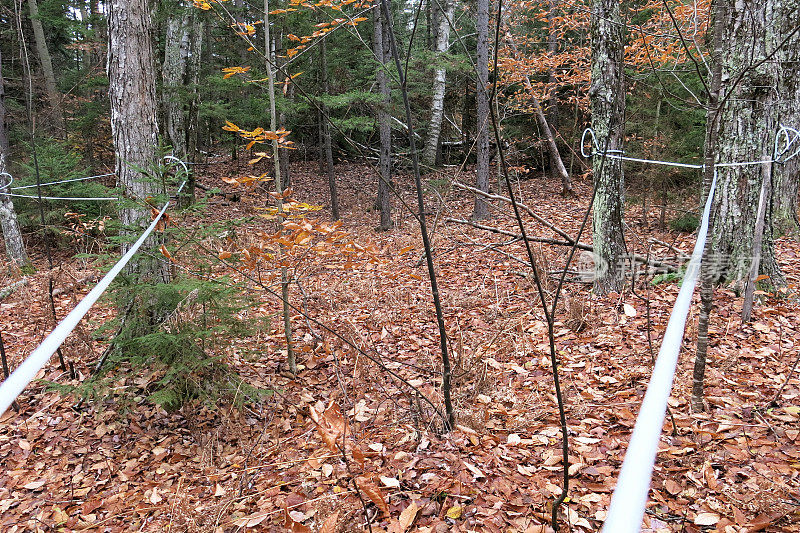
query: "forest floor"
266, 466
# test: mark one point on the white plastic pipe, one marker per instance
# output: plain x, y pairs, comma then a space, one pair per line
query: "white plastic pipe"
633, 485
26, 372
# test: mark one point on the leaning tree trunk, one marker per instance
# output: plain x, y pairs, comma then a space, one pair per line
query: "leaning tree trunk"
747, 125
382, 53
176, 53
607, 94
134, 126
53, 96
15, 247
481, 209
787, 176
439, 83
556, 163
557, 168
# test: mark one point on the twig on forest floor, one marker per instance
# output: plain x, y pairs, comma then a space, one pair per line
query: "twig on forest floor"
680, 255
774, 401
527, 209
638, 258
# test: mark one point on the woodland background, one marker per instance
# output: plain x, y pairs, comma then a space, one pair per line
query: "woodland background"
394, 295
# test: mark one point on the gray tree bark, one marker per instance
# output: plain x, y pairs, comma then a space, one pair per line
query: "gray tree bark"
607, 95
176, 52
439, 83
382, 53
15, 247
748, 120
53, 96
193, 80
134, 125
481, 208
709, 158
787, 176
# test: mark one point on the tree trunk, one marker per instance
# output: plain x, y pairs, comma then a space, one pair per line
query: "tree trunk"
607, 95
269, 46
326, 133
15, 247
53, 96
134, 126
381, 49
787, 175
468, 125
481, 209
439, 83
709, 158
746, 130
176, 53
193, 81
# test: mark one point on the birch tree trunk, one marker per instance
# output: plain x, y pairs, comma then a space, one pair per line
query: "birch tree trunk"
381, 49
481, 209
747, 124
607, 95
134, 125
53, 96
439, 83
15, 247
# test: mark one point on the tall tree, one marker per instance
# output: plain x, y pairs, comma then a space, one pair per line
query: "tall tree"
446, 9
607, 94
173, 72
481, 209
747, 122
193, 85
787, 176
269, 47
382, 54
134, 126
53, 96
15, 247
709, 159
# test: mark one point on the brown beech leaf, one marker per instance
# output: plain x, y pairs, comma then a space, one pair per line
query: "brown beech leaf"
330, 524
291, 525
251, 520
374, 494
408, 516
